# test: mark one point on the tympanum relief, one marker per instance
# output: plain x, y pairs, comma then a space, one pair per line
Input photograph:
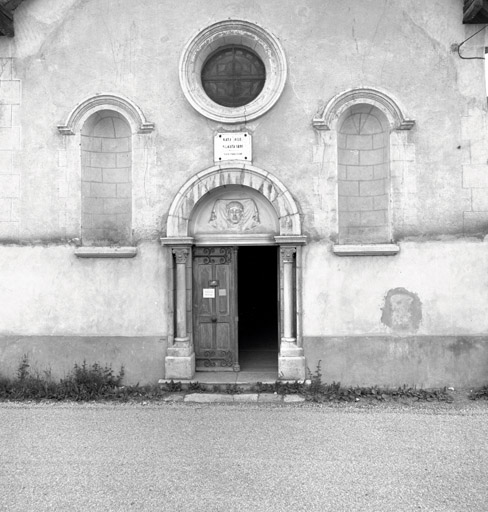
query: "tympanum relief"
233, 211
234, 215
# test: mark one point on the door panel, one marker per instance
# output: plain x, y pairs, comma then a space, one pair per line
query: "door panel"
205, 336
215, 308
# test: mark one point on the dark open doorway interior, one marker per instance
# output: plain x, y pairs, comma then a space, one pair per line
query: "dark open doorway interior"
258, 308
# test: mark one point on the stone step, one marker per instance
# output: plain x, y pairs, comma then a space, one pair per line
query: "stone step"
216, 385
234, 398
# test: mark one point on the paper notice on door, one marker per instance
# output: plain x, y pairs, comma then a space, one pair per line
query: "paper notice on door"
222, 293
209, 293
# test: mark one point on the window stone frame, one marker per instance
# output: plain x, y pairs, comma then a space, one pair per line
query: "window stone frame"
402, 163
223, 33
69, 164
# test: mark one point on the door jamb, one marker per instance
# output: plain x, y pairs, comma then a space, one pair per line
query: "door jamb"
291, 361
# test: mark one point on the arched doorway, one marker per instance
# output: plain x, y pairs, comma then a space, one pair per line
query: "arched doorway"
229, 228
235, 281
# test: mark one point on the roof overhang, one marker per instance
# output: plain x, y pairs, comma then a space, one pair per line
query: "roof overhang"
475, 12
7, 8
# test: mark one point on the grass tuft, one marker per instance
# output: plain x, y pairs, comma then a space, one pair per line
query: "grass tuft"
479, 393
96, 382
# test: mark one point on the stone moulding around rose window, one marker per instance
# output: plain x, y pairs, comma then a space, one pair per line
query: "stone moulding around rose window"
109, 101
241, 33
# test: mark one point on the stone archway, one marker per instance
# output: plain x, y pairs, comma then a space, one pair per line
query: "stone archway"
233, 174
180, 359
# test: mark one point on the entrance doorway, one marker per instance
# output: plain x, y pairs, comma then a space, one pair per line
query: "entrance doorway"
235, 308
257, 302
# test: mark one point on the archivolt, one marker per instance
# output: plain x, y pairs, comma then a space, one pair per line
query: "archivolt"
99, 102
233, 174
340, 103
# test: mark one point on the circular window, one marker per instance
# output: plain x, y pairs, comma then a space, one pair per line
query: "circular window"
233, 76
233, 71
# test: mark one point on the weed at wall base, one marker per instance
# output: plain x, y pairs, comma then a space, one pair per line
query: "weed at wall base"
84, 382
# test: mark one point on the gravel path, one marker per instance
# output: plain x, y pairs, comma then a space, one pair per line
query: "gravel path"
246, 457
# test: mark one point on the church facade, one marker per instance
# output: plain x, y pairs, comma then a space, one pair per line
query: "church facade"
296, 182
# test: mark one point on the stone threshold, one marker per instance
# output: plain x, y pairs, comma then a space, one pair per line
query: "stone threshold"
213, 398
245, 380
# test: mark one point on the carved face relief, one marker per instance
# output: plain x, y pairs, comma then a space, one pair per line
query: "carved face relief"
234, 215
235, 210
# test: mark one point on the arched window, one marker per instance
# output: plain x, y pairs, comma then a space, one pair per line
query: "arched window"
363, 142
106, 179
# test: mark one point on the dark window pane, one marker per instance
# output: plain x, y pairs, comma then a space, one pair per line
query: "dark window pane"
233, 76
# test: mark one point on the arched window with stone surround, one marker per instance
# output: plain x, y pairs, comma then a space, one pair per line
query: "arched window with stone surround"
363, 140
355, 229
106, 179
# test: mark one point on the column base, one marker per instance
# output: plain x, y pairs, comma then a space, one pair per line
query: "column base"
291, 361
291, 368
179, 366
181, 348
289, 348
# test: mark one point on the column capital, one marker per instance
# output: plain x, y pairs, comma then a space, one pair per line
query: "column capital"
287, 253
181, 254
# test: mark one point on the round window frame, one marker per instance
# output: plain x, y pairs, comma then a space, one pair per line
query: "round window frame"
241, 33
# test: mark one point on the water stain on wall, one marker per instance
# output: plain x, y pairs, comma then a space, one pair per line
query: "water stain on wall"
462, 345
402, 310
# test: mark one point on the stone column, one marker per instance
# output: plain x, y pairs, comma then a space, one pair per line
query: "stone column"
181, 257
180, 358
287, 256
291, 361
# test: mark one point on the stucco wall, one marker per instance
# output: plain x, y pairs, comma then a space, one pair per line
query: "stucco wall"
60, 310
402, 47
67, 50
434, 334
347, 295
141, 357
47, 290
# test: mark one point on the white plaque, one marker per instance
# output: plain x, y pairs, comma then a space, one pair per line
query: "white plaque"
233, 146
209, 293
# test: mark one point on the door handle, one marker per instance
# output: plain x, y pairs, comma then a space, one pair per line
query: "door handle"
214, 319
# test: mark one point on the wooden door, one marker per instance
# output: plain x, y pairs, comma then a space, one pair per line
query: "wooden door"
215, 308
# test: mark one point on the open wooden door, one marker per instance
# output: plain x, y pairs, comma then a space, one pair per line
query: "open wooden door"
215, 308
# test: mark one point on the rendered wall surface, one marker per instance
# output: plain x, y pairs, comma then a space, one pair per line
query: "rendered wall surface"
329, 48
47, 290
415, 318
141, 357
60, 310
422, 301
